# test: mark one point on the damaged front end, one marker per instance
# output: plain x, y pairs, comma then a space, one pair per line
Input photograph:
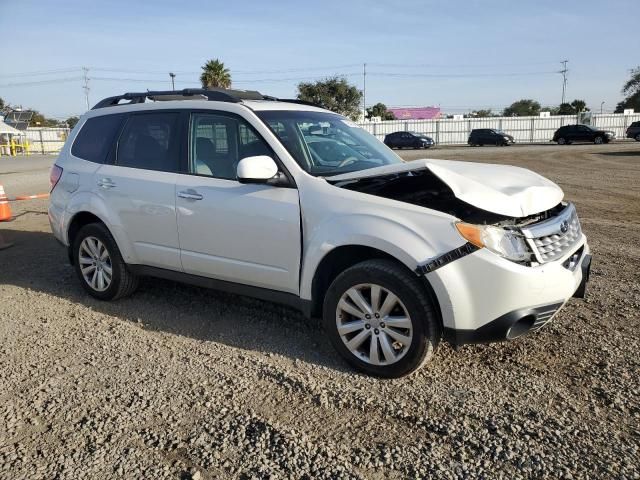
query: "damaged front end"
530, 240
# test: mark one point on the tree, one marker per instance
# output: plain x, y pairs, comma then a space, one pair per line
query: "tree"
566, 109
482, 113
579, 106
632, 91
551, 110
334, 93
380, 110
72, 121
522, 108
215, 75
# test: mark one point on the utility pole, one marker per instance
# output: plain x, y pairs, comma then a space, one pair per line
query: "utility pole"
173, 83
364, 91
564, 78
85, 87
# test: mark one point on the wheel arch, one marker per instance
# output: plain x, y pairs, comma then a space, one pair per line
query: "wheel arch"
340, 258
79, 220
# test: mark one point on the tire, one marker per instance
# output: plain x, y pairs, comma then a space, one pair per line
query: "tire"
562, 141
637, 137
598, 140
413, 308
121, 283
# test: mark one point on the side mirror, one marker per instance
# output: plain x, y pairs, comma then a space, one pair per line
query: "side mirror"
258, 169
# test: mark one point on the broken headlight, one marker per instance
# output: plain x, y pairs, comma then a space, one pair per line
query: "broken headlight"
506, 243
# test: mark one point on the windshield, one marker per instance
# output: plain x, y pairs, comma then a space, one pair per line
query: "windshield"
418, 134
326, 144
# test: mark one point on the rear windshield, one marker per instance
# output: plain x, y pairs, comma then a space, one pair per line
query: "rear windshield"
326, 144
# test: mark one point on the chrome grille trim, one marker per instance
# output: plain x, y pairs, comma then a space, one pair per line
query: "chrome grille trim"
548, 240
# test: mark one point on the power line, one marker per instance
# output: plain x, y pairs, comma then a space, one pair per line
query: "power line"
458, 75
41, 82
40, 72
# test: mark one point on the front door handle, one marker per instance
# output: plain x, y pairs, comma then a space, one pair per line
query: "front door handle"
106, 183
190, 195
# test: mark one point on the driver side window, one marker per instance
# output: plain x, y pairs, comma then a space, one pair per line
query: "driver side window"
217, 142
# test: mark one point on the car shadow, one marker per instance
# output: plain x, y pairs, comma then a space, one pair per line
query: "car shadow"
38, 262
622, 153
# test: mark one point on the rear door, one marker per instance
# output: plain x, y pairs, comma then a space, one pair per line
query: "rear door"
138, 187
232, 231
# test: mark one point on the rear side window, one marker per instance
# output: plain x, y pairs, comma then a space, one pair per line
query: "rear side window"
150, 141
95, 138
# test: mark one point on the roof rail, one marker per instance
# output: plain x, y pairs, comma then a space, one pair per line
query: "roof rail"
216, 94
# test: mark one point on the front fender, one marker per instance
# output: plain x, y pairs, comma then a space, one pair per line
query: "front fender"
403, 241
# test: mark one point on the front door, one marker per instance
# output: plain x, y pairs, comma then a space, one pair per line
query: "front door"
242, 233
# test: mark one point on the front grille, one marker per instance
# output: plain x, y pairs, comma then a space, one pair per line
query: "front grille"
553, 238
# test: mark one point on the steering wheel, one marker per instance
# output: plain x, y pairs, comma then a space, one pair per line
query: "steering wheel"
347, 161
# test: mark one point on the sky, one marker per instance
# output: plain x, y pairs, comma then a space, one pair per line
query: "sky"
460, 55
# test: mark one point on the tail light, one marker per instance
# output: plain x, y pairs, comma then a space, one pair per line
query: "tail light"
54, 177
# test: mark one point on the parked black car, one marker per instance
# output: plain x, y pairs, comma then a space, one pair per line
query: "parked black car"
489, 136
581, 133
408, 140
634, 131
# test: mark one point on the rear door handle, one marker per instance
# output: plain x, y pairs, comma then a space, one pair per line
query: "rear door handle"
190, 194
106, 183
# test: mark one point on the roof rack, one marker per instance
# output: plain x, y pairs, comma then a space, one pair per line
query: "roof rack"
214, 94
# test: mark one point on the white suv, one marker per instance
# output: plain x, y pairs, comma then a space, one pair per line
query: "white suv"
284, 201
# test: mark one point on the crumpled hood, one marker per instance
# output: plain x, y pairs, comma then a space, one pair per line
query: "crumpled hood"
502, 189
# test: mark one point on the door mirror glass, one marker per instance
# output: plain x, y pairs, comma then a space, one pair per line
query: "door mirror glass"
258, 169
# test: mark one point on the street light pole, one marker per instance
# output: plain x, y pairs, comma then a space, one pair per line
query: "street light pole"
173, 83
601, 104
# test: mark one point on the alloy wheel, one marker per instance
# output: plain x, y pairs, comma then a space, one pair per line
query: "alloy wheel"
374, 324
95, 264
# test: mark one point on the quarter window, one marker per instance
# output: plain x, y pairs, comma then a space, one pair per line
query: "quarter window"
96, 137
218, 142
150, 141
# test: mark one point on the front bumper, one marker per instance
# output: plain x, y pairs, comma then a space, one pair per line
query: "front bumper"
484, 298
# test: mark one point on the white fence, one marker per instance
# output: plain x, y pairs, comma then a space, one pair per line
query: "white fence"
46, 139
523, 129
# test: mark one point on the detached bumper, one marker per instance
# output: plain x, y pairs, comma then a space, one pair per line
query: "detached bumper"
484, 298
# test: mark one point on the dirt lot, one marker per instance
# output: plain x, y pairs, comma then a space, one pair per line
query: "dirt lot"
181, 382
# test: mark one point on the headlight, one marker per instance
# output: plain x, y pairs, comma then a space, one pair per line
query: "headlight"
506, 243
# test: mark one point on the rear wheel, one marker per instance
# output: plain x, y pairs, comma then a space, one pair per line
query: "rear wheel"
598, 140
380, 319
637, 137
562, 141
99, 265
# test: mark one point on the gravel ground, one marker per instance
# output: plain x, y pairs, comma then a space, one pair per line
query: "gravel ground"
180, 382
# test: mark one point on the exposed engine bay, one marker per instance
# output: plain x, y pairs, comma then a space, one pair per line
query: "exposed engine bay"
425, 189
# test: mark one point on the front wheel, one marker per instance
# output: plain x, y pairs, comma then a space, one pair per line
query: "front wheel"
562, 141
99, 265
380, 319
598, 140
637, 137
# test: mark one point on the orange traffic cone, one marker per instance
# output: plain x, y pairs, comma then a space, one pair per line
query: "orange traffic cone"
5, 208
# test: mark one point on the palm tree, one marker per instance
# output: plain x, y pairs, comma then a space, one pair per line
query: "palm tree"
214, 75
